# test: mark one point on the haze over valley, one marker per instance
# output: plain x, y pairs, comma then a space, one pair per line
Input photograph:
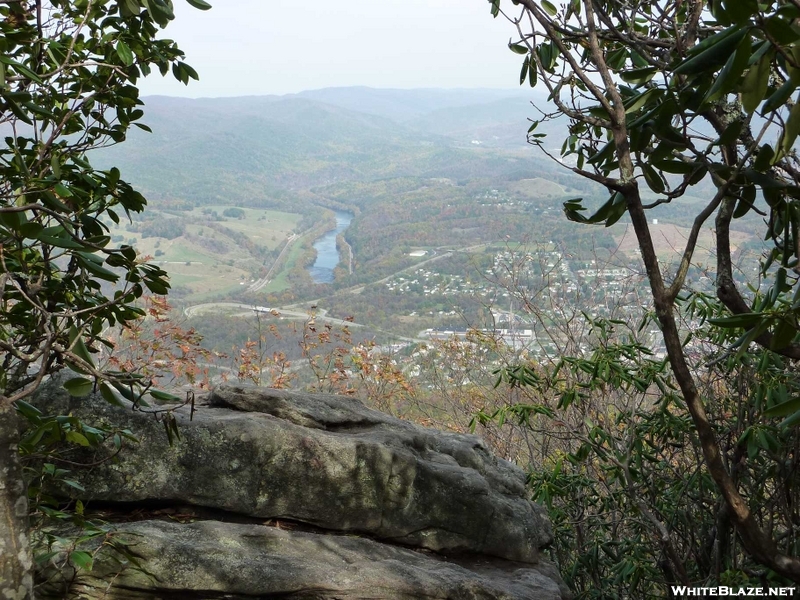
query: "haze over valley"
447, 218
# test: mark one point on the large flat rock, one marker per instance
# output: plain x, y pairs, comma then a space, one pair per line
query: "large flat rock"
210, 559
324, 460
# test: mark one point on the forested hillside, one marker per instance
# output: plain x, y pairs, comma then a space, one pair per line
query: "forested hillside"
253, 149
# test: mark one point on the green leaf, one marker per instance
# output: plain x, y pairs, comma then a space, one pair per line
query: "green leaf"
128, 252
77, 438
45, 557
108, 395
755, 83
779, 97
129, 8
165, 396
791, 130
157, 286
30, 412
731, 133
60, 242
55, 165
653, 179
161, 10
73, 484
124, 52
698, 175
745, 320
12, 220
746, 202
39, 110
764, 158
51, 201
638, 101
618, 209
189, 71
549, 8
30, 230
81, 559
791, 69
791, 421
79, 386
518, 48
780, 29
16, 109
532, 71
711, 52
201, 4
638, 76
20, 68
677, 167
127, 392
62, 190
95, 268
783, 335
740, 11
78, 347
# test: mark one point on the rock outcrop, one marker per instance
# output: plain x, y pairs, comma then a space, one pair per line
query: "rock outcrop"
384, 508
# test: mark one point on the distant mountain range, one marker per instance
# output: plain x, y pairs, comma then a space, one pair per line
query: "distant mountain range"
498, 118
266, 148
406, 105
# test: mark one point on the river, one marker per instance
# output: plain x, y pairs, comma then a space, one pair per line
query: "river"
327, 254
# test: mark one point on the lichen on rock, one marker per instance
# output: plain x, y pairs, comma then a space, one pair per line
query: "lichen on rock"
419, 501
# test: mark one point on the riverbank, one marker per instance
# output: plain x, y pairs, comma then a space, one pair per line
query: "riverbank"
327, 252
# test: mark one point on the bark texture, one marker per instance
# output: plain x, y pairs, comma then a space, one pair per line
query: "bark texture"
16, 561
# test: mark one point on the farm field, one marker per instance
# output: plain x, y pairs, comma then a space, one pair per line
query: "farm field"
213, 254
538, 188
266, 228
670, 240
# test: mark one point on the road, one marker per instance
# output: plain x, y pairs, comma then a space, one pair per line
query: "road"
299, 311
359, 288
248, 309
254, 287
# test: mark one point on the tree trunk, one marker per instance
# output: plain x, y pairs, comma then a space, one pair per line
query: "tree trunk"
16, 561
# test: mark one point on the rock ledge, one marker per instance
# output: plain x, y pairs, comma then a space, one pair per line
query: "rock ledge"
330, 462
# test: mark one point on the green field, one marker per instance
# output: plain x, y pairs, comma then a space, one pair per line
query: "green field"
211, 257
266, 228
538, 188
280, 281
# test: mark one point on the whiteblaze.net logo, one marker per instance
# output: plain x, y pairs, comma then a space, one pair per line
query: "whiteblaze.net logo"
722, 591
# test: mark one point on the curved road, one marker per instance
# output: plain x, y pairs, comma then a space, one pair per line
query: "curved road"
248, 309
296, 310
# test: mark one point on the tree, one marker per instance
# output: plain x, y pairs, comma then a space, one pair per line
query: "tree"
68, 75
671, 96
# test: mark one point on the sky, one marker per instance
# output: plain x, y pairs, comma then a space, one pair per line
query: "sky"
258, 47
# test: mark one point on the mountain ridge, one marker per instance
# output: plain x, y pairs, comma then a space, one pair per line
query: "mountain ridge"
252, 148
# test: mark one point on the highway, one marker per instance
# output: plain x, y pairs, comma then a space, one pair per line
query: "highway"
298, 310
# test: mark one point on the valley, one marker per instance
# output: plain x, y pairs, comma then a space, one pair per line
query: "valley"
534, 342
436, 217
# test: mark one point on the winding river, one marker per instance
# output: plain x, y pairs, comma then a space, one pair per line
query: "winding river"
327, 254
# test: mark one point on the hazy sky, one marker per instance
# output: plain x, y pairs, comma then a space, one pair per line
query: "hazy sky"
245, 47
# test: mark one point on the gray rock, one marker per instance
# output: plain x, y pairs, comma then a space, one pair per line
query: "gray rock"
323, 460
210, 559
